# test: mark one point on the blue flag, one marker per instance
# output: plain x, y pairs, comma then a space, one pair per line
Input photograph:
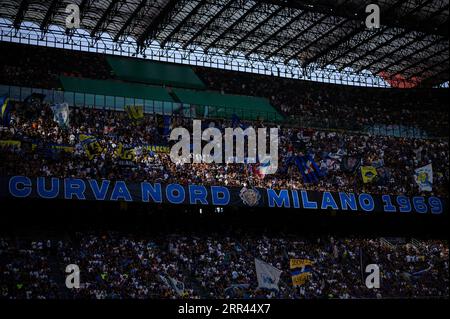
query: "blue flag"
167, 123
309, 169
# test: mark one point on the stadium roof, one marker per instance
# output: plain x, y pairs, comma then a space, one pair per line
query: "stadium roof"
412, 44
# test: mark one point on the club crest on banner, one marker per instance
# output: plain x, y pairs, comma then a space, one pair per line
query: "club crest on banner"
250, 196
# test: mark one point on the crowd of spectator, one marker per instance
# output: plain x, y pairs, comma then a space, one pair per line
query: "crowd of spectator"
25, 271
121, 266
338, 106
41, 67
306, 103
395, 158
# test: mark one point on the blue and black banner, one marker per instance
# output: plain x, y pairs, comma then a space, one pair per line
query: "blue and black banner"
147, 192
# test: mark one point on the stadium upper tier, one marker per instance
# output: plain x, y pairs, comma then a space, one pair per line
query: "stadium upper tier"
228, 104
303, 103
115, 88
137, 70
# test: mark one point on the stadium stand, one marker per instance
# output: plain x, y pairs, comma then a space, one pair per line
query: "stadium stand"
394, 158
124, 266
115, 88
225, 105
150, 72
413, 113
91, 107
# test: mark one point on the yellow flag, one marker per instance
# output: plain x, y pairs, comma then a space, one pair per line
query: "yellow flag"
369, 173
300, 271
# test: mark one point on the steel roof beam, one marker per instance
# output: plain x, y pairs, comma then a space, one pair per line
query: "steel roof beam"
249, 33
427, 58
347, 10
180, 25
152, 28
103, 18
359, 29
408, 56
23, 7
391, 53
419, 7
276, 33
373, 36
335, 45
129, 21
381, 45
208, 24
310, 44
387, 42
238, 20
297, 36
427, 69
49, 15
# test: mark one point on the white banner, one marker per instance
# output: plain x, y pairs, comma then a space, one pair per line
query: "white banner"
424, 178
268, 276
61, 114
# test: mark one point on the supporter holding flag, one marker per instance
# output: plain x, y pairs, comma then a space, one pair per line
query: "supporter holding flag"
33, 105
135, 113
369, 174
308, 168
167, 125
61, 114
424, 178
262, 168
350, 164
300, 271
268, 276
90, 145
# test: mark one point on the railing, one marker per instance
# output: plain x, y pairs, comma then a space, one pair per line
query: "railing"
118, 103
340, 124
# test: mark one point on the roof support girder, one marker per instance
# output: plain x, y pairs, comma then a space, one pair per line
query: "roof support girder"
420, 73
180, 25
379, 46
105, 16
359, 28
164, 15
23, 7
49, 15
347, 10
230, 27
249, 33
413, 53
391, 53
335, 45
273, 35
207, 24
129, 21
312, 43
296, 37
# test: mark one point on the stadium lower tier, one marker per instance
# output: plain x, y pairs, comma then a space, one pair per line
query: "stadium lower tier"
97, 144
115, 265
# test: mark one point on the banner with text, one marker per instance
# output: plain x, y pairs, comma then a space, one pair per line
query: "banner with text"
148, 192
